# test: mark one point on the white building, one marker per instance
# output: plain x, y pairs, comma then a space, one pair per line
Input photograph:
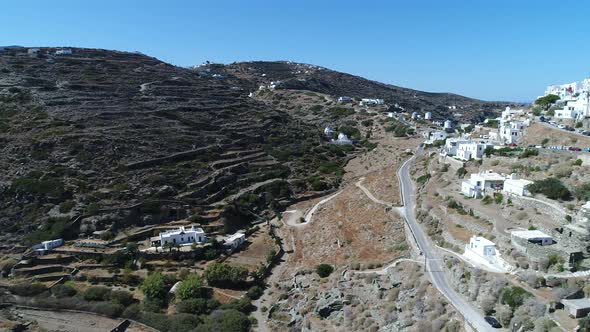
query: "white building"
370, 101
448, 125
342, 140
46, 246
414, 115
65, 51
33, 51
183, 235
574, 97
428, 116
482, 182
433, 136
452, 144
275, 85
344, 99
511, 132
471, 150
514, 185
235, 241
482, 247
533, 236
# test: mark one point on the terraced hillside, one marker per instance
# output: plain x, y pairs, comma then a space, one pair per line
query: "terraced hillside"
102, 140
318, 79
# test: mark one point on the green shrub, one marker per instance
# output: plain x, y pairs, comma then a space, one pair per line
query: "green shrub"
198, 306
97, 293
27, 289
191, 287
183, 322
513, 296
461, 172
528, 153
550, 187
486, 200
225, 320
422, 179
324, 270
224, 275
154, 286
109, 309
498, 198
255, 292
61, 291
122, 297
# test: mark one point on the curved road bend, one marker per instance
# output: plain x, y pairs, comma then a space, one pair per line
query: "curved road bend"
432, 264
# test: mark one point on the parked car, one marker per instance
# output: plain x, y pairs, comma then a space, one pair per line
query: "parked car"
568, 128
586, 132
561, 126
574, 148
586, 149
493, 322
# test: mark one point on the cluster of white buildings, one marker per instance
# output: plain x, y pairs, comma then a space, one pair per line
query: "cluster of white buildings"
342, 139
574, 99
271, 86
489, 182
511, 129
371, 102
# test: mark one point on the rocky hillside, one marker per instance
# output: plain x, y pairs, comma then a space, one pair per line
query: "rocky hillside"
318, 79
103, 140
122, 139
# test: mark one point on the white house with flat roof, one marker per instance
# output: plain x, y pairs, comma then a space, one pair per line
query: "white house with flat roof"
482, 182
183, 235
46, 246
577, 308
519, 187
371, 101
471, 150
428, 116
452, 144
482, 247
342, 140
234, 241
533, 236
65, 51
344, 99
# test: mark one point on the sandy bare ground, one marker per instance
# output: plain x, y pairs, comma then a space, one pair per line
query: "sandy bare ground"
537, 132
74, 322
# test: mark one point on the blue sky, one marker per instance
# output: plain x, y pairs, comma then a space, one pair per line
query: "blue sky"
493, 50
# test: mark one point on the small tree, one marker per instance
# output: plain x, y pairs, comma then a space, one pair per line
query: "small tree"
324, 270
191, 287
154, 286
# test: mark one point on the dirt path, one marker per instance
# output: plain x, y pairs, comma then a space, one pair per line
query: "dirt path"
294, 215
370, 195
383, 271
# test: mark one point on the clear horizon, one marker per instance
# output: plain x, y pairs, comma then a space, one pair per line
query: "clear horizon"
500, 51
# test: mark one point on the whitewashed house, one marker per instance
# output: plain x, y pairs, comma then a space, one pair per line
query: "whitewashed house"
342, 140
483, 248
428, 116
482, 182
519, 187
65, 51
533, 236
183, 235
235, 241
471, 150
452, 144
511, 132
344, 99
328, 132
46, 246
371, 101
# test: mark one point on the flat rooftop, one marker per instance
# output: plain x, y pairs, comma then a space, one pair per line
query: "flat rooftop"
483, 240
533, 234
577, 303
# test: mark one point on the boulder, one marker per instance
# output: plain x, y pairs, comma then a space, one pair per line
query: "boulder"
329, 302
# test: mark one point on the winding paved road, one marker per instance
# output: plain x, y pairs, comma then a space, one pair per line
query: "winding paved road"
433, 263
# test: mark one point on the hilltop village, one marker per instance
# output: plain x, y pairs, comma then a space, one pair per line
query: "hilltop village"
284, 196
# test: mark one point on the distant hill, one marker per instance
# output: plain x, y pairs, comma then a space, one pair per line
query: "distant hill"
318, 79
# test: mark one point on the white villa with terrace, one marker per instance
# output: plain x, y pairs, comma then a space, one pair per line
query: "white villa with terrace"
489, 182
183, 235
471, 150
